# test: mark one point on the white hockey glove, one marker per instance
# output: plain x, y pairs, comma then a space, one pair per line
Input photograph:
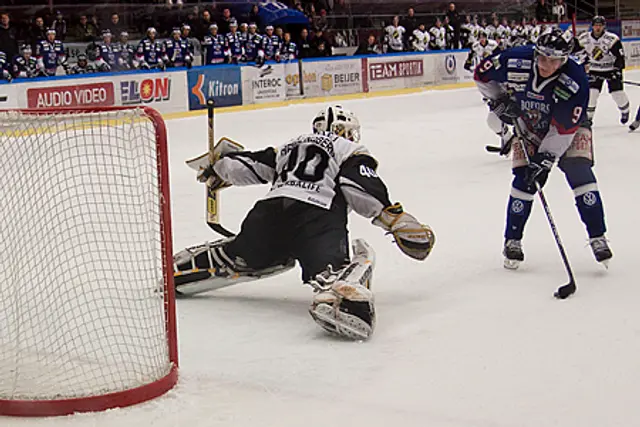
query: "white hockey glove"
416, 240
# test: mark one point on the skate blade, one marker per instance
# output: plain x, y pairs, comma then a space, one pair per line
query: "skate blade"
605, 263
511, 264
347, 328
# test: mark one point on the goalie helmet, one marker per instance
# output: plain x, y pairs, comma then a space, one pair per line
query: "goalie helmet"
339, 121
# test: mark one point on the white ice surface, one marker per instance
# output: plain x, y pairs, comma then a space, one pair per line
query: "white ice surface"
460, 341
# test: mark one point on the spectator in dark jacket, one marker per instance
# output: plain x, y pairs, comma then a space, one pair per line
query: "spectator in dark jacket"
8, 37
542, 11
369, 46
84, 31
305, 46
60, 25
115, 25
454, 22
254, 15
202, 29
410, 22
323, 49
38, 32
223, 25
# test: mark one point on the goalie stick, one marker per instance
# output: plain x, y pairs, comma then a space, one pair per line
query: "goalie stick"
213, 194
570, 288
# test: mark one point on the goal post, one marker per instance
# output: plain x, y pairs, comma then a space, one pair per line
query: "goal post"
87, 308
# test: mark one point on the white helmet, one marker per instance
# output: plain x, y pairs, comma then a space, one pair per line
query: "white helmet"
339, 121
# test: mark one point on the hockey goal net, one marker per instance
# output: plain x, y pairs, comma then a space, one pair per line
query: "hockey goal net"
87, 314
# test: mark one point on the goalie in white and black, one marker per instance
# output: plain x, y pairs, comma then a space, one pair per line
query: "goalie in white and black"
316, 179
605, 62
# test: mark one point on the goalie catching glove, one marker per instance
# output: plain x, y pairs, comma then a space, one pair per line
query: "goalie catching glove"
413, 238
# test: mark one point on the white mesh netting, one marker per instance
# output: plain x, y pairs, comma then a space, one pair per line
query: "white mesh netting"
82, 291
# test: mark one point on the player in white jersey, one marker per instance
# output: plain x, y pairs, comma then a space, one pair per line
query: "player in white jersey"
534, 31
315, 179
438, 36
420, 39
394, 36
480, 50
605, 63
503, 30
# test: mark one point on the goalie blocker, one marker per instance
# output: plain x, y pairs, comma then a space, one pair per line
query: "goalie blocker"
315, 180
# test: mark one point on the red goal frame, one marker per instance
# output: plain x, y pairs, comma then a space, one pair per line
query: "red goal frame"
154, 389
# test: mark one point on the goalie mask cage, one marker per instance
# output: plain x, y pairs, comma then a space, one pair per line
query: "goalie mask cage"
87, 310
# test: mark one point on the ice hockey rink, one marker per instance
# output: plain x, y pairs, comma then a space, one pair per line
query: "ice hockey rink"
460, 341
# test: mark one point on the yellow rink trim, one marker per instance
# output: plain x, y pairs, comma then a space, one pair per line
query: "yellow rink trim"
320, 99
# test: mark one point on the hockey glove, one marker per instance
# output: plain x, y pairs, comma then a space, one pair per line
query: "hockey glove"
616, 75
506, 108
538, 169
414, 239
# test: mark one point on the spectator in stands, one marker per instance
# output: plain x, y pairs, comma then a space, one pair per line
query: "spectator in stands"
559, 11
84, 31
38, 32
454, 21
323, 49
542, 11
410, 22
320, 22
369, 46
60, 25
279, 32
115, 25
8, 37
305, 46
94, 21
254, 15
223, 25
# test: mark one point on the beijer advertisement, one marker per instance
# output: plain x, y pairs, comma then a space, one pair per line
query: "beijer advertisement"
263, 85
221, 82
333, 77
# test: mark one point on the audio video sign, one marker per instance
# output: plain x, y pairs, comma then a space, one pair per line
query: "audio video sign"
221, 82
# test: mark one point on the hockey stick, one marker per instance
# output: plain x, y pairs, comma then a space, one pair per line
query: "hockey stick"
569, 289
631, 83
213, 194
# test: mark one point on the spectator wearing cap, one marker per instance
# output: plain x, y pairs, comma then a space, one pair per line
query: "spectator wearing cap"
8, 37
225, 21
37, 32
305, 45
369, 46
60, 25
115, 25
84, 30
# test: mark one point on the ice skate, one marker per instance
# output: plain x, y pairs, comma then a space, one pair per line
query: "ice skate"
513, 254
624, 117
601, 250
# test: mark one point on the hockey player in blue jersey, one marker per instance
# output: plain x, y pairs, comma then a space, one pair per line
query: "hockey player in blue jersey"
233, 45
252, 43
50, 54
288, 50
177, 50
545, 93
4, 67
108, 53
185, 34
213, 46
25, 66
127, 52
270, 46
150, 53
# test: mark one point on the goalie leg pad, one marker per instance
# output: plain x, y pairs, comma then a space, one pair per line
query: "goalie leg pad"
207, 267
345, 304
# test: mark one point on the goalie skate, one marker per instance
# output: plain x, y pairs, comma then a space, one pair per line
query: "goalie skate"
344, 305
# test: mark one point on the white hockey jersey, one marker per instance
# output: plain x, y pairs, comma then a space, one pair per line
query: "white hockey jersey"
394, 37
603, 52
438, 37
481, 51
504, 32
534, 33
420, 40
312, 168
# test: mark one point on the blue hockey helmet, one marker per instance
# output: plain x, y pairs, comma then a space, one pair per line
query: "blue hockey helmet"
555, 44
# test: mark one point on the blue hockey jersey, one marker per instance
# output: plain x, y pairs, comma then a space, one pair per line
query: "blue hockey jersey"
107, 56
50, 55
252, 46
178, 52
213, 49
233, 46
553, 108
271, 47
150, 53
